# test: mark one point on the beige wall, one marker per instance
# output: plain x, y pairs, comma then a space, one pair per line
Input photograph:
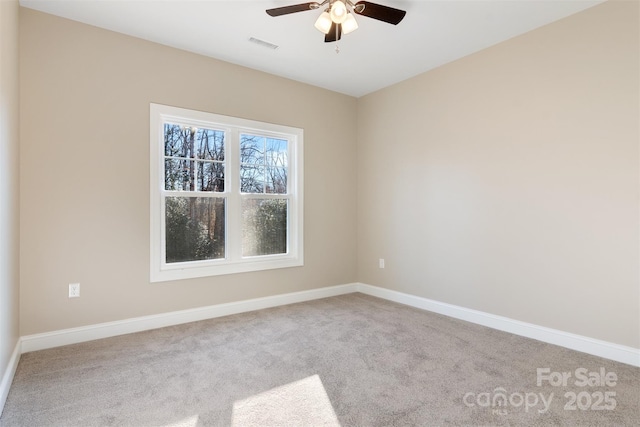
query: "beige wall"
85, 96
508, 181
9, 201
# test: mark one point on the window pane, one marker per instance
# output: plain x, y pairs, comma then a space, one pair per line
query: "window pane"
251, 179
264, 227
176, 140
276, 180
195, 228
251, 149
209, 144
276, 152
210, 176
185, 141
179, 175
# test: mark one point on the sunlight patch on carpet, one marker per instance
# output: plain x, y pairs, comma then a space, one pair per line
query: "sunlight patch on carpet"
303, 402
187, 422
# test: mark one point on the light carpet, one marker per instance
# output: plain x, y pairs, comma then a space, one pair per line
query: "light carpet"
351, 360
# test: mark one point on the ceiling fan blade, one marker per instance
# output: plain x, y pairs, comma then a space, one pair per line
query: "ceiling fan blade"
333, 35
285, 10
379, 12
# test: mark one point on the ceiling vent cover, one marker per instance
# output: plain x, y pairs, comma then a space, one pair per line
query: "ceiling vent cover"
263, 43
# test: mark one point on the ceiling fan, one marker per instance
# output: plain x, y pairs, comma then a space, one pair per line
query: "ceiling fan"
337, 19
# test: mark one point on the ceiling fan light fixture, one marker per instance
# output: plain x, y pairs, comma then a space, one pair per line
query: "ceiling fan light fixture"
323, 23
338, 12
350, 24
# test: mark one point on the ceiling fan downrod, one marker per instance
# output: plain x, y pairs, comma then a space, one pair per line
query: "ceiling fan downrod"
337, 38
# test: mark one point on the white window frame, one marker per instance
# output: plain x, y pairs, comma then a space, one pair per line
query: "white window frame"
233, 262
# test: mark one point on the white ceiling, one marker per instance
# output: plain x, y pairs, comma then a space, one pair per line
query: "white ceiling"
378, 54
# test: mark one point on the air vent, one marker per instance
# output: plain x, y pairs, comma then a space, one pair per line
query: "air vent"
263, 43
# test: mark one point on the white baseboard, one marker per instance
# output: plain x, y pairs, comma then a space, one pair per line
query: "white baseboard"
111, 329
7, 378
584, 344
619, 353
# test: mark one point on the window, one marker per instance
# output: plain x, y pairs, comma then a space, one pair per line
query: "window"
226, 194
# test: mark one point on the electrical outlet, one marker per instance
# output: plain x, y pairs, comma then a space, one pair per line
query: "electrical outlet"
74, 290
381, 262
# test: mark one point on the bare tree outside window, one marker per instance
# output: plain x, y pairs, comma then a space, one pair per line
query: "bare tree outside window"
263, 170
194, 163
